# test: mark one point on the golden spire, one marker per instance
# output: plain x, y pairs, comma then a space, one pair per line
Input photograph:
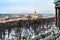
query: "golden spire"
35, 13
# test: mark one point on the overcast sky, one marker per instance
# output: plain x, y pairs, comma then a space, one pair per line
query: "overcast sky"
26, 6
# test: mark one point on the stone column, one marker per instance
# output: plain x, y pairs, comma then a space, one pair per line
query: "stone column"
58, 17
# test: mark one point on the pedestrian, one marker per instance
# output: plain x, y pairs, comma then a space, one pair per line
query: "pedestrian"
28, 37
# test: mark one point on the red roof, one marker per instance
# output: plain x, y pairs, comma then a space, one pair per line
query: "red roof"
23, 18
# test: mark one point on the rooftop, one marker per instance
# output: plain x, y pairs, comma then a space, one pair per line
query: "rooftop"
23, 18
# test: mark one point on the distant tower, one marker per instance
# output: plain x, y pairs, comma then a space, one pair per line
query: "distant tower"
57, 11
35, 15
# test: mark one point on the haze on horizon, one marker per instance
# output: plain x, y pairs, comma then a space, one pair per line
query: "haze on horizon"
26, 6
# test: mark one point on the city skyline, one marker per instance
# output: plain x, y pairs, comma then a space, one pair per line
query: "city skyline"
26, 6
